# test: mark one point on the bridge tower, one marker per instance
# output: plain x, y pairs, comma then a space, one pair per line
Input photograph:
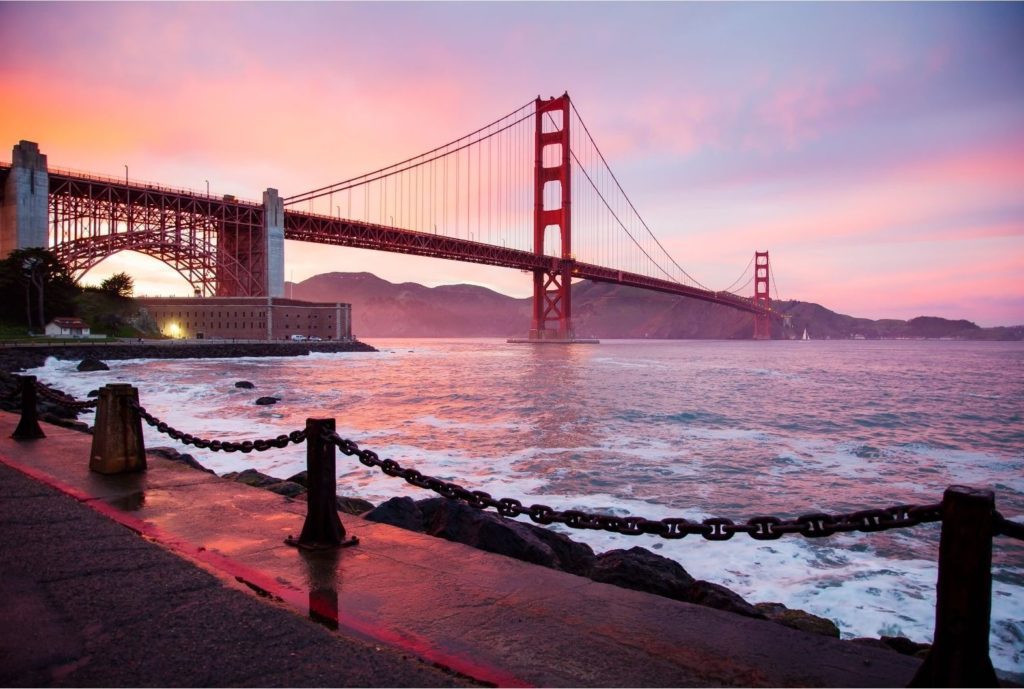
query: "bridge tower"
25, 208
552, 297
762, 321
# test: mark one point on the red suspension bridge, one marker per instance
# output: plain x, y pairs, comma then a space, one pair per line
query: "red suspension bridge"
531, 190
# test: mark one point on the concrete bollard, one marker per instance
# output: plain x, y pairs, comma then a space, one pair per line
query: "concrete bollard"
322, 528
28, 426
959, 654
117, 444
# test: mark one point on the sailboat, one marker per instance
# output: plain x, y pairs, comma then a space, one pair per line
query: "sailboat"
805, 337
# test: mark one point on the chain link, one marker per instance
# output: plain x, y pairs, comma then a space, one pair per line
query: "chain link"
813, 525
63, 399
1005, 527
245, 446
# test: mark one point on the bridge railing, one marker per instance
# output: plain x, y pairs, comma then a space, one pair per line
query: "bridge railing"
146, 185
959, 654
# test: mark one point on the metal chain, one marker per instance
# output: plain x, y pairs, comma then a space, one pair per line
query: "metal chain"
761, 528
1005, 527
63, 399
245, 446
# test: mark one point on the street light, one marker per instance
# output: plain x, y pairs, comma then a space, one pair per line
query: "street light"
126, 173
207, 187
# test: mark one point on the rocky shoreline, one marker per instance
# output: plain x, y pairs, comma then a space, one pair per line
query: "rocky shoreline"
636, 568
21, 357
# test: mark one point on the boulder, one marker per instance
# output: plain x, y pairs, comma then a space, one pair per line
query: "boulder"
92, 364
299, 478
457, 521
350, 505
401, 512
641, 570
251, 477
263, 401
870, 642
716, 596
93, 393
902, 644
285, 488
244, 384
175, 456
798, 619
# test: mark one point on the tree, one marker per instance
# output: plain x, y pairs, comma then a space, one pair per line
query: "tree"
47, 286
119, 284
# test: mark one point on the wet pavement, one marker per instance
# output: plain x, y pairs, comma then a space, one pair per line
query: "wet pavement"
105, 606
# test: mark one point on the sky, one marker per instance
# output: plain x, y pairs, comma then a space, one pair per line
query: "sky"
875, 149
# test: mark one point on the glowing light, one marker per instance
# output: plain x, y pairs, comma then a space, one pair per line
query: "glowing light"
174, 329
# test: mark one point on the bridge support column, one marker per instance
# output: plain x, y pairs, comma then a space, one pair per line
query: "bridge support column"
273, 228
25, 209
762, 321
552, 295
250, 249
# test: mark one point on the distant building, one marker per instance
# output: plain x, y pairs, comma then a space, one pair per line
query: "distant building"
249, 318
67, 327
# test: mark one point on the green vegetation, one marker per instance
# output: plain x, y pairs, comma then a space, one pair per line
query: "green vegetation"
38, 288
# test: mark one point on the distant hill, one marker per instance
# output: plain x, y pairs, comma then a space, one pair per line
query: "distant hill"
385, 309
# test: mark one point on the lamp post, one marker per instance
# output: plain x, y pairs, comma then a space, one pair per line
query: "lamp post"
207, 186
126, 174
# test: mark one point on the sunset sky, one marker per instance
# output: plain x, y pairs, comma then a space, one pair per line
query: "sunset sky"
877, 150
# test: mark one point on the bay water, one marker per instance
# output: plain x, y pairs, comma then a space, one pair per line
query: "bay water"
658, 429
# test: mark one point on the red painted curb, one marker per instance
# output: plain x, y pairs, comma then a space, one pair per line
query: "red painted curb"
294, 598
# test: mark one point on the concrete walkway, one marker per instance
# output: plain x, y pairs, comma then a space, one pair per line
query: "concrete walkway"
106, 607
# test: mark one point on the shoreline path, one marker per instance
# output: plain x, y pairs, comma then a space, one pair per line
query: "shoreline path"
200, 590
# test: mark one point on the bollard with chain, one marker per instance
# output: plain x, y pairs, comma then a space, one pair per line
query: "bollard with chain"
117, 444
959, 655
28, 426
322, 528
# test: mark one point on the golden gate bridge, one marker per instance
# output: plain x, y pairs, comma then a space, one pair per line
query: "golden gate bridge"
530, 191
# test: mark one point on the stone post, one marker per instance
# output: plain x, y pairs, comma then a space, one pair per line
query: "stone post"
322, 528
959, 653
28, 426
117, 444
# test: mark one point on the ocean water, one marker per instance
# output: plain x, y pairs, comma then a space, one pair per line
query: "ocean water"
656, 429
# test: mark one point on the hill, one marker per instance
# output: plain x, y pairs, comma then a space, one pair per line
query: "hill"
385, 309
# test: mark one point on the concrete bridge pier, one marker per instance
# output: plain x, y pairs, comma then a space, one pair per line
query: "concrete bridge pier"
25, 208
273, 227
250, 250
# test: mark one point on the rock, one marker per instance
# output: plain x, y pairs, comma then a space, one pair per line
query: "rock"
902, 644
456, 521
251, 477
92, 364
244, 384
263, 401
715, 596
299, 478
798, 619
175, 456
870, 642
401, 512
93, 393
349, 505
285, 488
641, 570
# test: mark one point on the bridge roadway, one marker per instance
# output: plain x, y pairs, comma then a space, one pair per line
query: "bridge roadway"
87, 602
321, 229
